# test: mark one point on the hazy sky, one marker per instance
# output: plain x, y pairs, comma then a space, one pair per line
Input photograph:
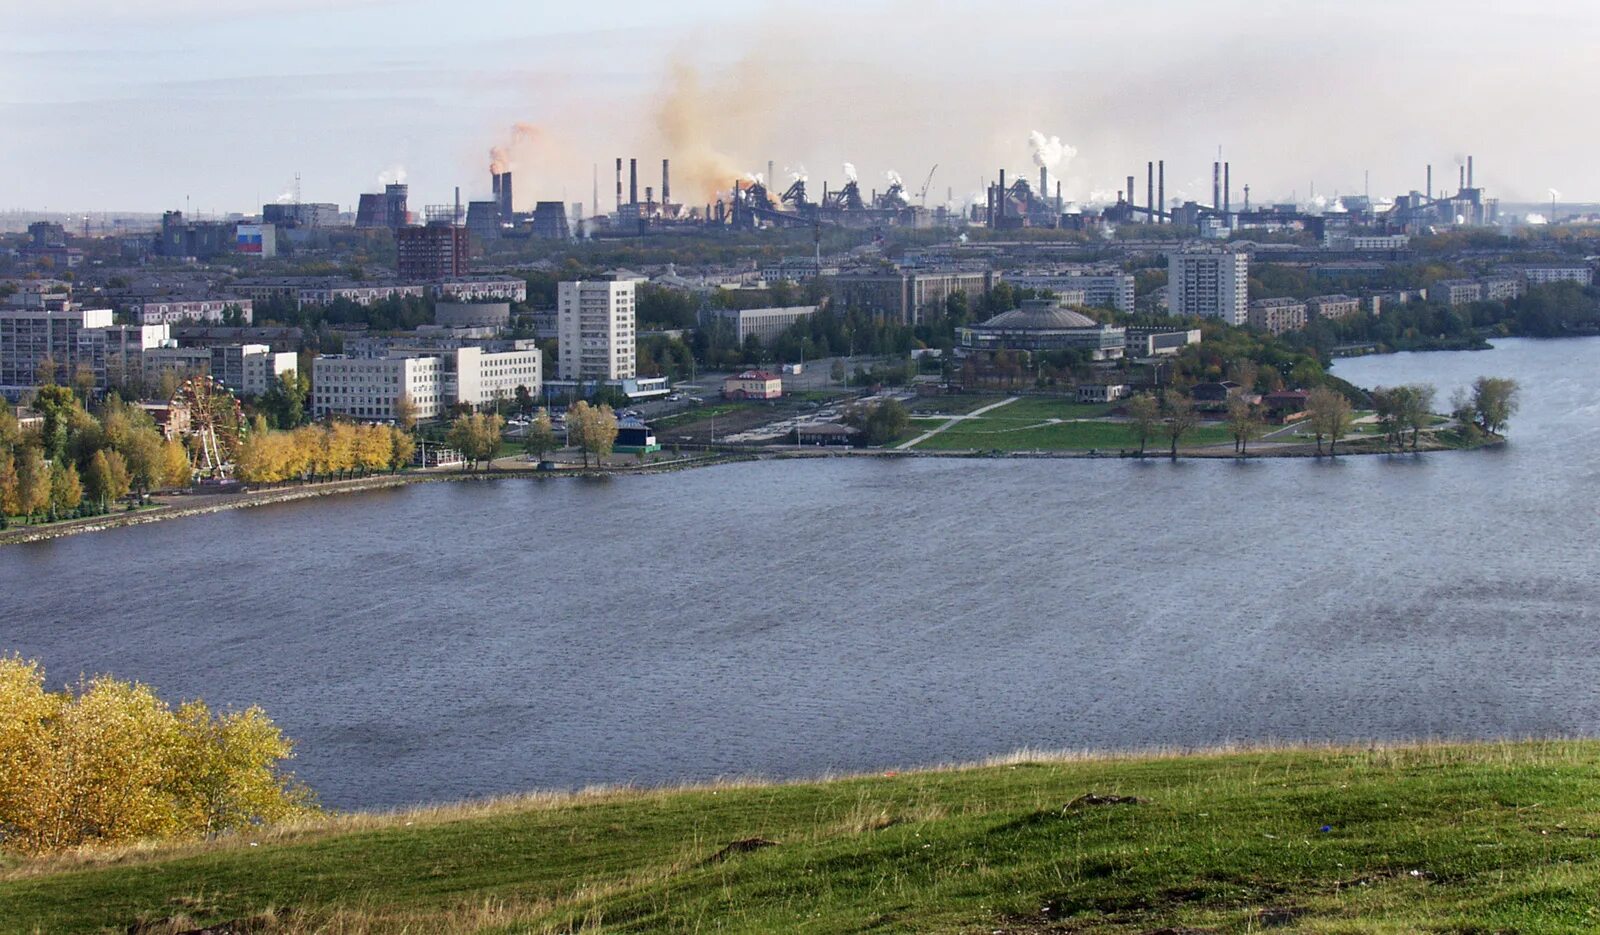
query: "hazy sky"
134, 106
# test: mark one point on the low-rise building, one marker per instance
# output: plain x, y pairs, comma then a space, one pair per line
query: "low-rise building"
434, 381
764, 324
1580, 273
824, 434
904, 295
482, 289
495, 315
1098, 288
1102, 392
1333, 307
1276, 316
753, 384
1456, 291
210, 310
1043, 325
1158, 342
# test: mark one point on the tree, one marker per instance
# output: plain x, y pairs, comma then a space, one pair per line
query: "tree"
1144, 414
1329, 417
1178, 418
285, 400
1390, 404
402, 445
142, 450
1494, 401
405, 412
33, 482
1418, 409
57, 405
882, 423
477, 436
593, 429
524, 399
108, 478
1243, 423
84, 380
176, 471
10, 431
66, 491
836, 373
540, 436
10, 491
110, 762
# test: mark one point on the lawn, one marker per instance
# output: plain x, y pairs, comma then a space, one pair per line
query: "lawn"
1442, 838
984, 435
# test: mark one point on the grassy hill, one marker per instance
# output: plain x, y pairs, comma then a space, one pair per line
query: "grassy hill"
1450, 838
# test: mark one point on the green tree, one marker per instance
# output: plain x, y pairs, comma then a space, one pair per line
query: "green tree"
836, 373
1418, 409
108, 479
33, 481
57, 405
143, 452
285, 400
1178, 418
1144, 415
540, 437
1329, 417
66, 491
1494, 401
1243, 423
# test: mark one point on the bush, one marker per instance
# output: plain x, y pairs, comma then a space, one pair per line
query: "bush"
109, 762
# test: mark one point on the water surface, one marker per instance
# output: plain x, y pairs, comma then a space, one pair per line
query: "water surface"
787, 619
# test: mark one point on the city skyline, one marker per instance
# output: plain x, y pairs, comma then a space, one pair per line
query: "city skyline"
179, 103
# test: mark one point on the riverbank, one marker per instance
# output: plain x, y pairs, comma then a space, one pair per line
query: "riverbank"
182, 505
1440, 837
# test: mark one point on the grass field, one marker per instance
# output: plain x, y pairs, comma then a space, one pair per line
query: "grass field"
1025, 425
1441, 838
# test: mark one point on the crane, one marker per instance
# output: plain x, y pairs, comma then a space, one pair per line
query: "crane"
924, 197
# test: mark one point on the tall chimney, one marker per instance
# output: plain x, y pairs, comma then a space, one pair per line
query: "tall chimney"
1216, 185
1001, 195
1150, 192
1044, 182
772, 183
1429, 192
649, 195
633, 181
494, 178
1060, 205
1161, 190
666, 181
1469, 173
504, 199
1133, 199
619, 183
1461, 178
1227, 187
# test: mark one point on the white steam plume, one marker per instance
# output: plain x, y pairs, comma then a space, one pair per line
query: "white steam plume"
394, 175
1051, 155
894, 178
798, 174
850, 172
1536, 219
1555, 195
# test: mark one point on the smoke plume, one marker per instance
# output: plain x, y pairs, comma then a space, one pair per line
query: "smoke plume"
894, 178
1051, 155
521, 146
394, 175
685, 120
850, 172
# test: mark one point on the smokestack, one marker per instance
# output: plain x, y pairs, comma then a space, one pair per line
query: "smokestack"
1216, 185
1161, 190
1044, 182
649, 195
666, 181
633, 181
1469, 173
1133, 200
494, 178
1461, 178
1060, 205
1429, 192
504, 196
772, 183
1227, 187
1001, 194
619, 183
1150, 191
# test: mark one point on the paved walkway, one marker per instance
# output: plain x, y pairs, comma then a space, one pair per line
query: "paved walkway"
953, 420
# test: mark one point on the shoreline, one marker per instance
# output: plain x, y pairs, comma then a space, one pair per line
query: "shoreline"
175, 506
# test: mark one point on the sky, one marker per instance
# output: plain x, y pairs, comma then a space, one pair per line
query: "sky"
109, 106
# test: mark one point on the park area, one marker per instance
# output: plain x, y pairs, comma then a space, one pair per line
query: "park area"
999, 423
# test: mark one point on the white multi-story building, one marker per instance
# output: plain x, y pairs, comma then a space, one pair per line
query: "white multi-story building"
764, 324
31, 336
1579, 273
595, 325
1101, 289
370, 387
1209, 284
166, 311
250, 368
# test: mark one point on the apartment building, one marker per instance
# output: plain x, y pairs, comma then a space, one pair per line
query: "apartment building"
30, 337
1333, 307
763, 324
595, 325
1209, 284
168, 311
1276, 316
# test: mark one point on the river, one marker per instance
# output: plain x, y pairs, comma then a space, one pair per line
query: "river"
787, 619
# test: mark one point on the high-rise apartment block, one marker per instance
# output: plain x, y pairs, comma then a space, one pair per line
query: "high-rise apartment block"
595, 326
1209, 284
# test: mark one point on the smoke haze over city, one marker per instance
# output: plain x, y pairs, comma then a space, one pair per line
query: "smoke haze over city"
136, 107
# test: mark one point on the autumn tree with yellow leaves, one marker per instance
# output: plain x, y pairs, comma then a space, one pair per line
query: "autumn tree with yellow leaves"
108, 762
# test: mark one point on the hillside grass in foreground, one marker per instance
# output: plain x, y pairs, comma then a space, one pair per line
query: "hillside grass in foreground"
1451, 838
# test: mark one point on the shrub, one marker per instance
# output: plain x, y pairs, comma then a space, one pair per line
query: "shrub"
110, 762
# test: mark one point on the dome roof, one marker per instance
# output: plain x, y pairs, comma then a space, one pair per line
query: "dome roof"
1040, 318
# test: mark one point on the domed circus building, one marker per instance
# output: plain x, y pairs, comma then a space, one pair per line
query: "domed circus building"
1042, 326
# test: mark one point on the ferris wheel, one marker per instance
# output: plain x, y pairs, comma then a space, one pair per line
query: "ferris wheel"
216, 423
